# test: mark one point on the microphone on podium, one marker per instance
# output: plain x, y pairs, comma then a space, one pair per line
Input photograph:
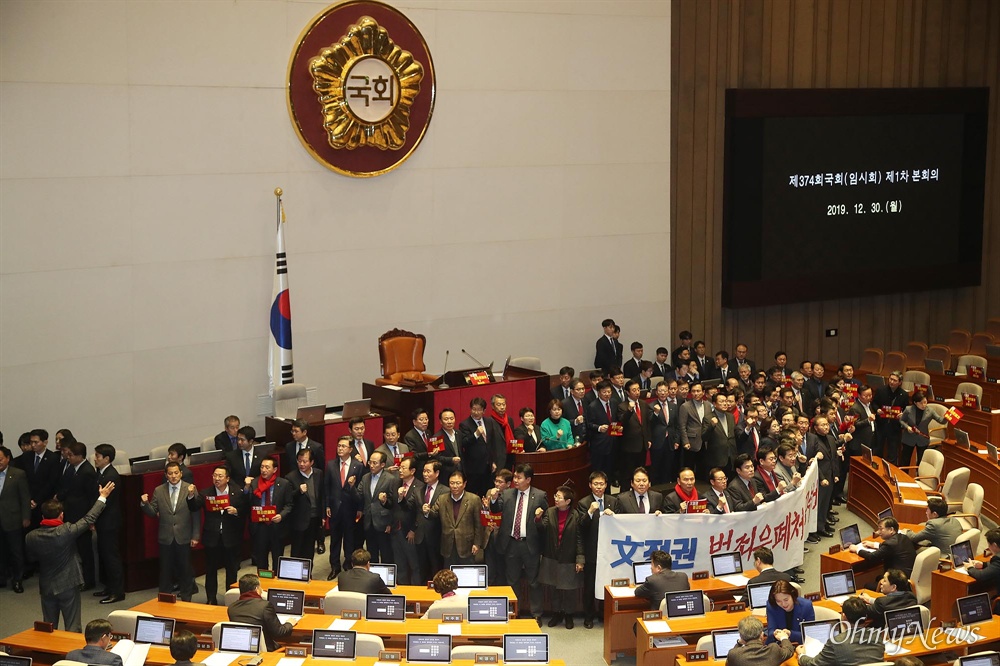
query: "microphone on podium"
443, 383
478, 362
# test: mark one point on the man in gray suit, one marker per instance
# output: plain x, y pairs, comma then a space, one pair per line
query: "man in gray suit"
180, 529
940, 530
692, 414
857, 645
53, 546
15, 517
663, 580
719, 436
753, 650
98, 637
378, 489
518, 537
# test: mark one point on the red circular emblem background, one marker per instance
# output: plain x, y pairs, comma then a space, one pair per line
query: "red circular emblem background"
327, 29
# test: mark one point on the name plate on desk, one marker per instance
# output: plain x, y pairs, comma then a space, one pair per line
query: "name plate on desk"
452, 617
836, 548
390, 655
620, 582
166, 598
813, 596
296, 651
44, 626
487, 658
699, 575
949, 373
652, 615
736, 607
350, 614
697, 655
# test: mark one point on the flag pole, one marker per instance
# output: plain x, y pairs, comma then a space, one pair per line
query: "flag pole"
280, 368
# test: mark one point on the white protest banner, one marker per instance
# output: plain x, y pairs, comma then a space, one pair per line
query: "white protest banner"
691, 539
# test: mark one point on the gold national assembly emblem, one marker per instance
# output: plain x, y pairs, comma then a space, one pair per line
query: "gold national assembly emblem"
361, 88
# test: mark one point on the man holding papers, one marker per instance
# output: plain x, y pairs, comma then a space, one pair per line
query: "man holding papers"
226, 507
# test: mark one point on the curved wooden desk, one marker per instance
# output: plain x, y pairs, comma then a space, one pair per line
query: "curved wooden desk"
982, 471
870, 492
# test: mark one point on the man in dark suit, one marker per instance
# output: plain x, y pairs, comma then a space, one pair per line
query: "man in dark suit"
363, 448
640, 499
179, 530
663, 580
895, 588
450, 447
393, 450
252, 608
763, 562
574, 410
661, 365
740, 358
717, 496
608, 352
635, 417
706, 366
753, 649
598, 503
518, 537
664, 436
300, 441
378, 494
599, 419
718, 435
409, 500
108, 528
481, 439
888, 430
743, 494
765, 480
676, 501
98, 637
563, 389
15, 517
632, 366
77, 491
462, 533
359, 579
225, 506
42, 467
53, 546
309, 506
989, 573
244, 463
342, 505
227, 439
427, 532
418, 436
268, 492
895, 552
864, 425
857, 645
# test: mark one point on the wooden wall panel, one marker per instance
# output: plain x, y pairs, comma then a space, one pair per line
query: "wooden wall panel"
719, 44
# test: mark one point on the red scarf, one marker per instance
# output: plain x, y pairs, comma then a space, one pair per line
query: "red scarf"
693, 497
508, 434
263, 485
51, 522
250, 594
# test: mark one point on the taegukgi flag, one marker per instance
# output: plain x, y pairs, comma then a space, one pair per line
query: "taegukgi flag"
280, 370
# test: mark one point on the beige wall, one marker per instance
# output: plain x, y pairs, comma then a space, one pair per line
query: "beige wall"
719, 44
139, 146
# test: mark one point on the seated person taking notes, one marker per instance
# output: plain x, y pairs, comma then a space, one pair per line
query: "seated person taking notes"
895, 552
98, 637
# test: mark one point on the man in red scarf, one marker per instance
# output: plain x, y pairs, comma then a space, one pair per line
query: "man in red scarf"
684, 493
271, 501
499, 414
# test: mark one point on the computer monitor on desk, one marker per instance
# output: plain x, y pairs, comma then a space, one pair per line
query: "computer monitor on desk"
153, 630
386, 571
150, 465
885, 513
243, 638
724, 640
329, 644
428, 648
961, 553
487, 609
724, 564
757, 595
686, 603
903, 622
974, 609
838, 585
850, 535
8, 660
287, 602
641, 571
389, 607
471, 576
526, 648
294, 568
980, 659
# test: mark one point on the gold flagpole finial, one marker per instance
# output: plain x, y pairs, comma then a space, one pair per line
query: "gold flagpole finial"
278, 192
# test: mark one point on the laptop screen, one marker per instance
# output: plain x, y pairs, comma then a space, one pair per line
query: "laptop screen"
866, 453
239, 638
903, 622
386, 571
724, 564
385, 607
934, 365
975, 608
961, 553
7, 660
428, 648
287, 602
757, 594
983, 659
724, 640
471, 576
838, 583
850, 535
641, 571
819, 630
992, 452
153, 630
294, 568
487, 609
329, 644
962, 438
885, 513
686, 603
526, 647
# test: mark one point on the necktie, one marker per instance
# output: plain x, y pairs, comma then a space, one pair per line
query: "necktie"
38, 459
173, 497
517, 513
427, 495
600, 505
638, 413
725, 505
642, 504
246, 461
363, 450
768, 481
607, 408
343, 473
579, 408
756, 439
423, 436
666, 412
